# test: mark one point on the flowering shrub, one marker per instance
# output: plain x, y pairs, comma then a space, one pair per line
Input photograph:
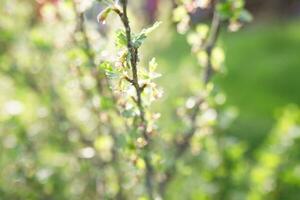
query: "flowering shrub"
79, 120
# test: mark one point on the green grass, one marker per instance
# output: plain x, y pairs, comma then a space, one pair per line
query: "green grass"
263, 65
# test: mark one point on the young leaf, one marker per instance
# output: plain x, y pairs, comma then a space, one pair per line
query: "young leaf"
121, 39
152, 28
152, 65
103, 15
224, 10
106, 66
245, 16
128, 113
140, 38
109, 70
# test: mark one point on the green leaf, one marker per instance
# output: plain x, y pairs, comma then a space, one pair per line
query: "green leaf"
152, 28
128, 113
152, 65
245, 16
140, 38
109, 70
103, 15
106, 66
121, 39
112, 75
224, 10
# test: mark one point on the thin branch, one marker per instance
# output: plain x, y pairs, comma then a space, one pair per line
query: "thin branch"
88, 50
182, 146
135, 82
102, 81
209, 45
101, 86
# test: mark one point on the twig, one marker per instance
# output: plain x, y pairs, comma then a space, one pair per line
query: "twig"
101, 79
210, 44
182, 147
135, 82
101, 86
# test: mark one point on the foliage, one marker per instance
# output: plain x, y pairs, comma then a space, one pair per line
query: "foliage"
79, 123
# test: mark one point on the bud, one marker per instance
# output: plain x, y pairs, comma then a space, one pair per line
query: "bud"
103, 15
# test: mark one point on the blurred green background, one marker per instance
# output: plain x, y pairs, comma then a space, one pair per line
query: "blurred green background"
38, 105
261, 79
261, 76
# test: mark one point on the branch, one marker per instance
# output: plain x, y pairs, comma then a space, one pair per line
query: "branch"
210, 44
182, 146
135, 82
88, 49
102, 81
101, 86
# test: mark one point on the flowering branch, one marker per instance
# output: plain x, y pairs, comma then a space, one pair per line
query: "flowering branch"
131, 74
135, 82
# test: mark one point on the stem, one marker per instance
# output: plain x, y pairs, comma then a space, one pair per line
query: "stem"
101, 79
102, 84
182, 147
210, 44
135, 82
89, 52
